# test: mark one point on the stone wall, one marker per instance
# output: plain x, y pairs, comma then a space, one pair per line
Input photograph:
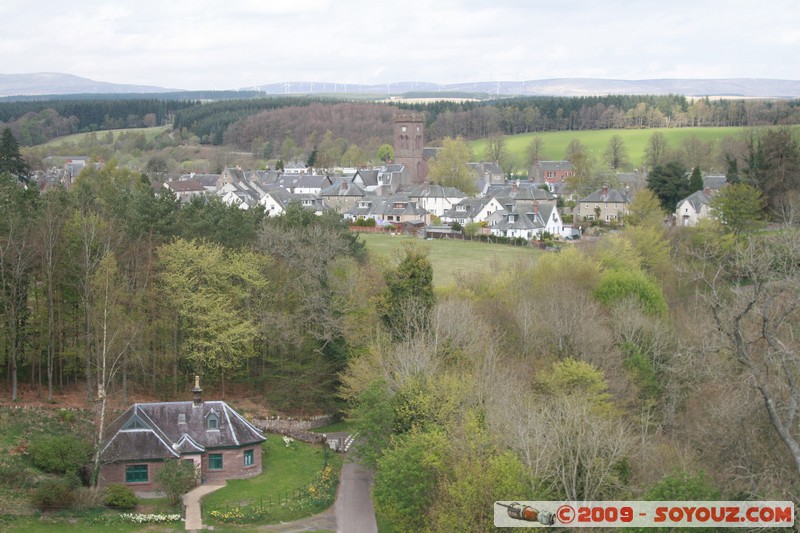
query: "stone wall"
284, 425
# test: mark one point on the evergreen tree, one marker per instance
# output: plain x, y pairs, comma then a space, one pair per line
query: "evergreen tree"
11, 160
669, 183
695, 181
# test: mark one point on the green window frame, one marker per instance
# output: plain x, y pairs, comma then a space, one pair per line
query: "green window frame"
249, 458
215, 461
136, 474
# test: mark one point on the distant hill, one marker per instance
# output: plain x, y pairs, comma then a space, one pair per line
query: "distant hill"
53, 83
50, 83
734, 87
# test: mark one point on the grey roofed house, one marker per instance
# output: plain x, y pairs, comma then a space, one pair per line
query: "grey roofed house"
432, 191
520, 191
343, 187
697, 200
366, 178
395, 209
152, 430
714, 183
303, 183
607, 195
219, 441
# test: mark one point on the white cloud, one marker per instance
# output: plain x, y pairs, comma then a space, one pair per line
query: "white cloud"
207, 44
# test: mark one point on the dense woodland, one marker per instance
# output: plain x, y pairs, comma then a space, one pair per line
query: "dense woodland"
249, 120
651, 363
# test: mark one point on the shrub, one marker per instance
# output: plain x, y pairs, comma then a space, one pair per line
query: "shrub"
59, 454
682, 485
176, 478
53, 494
119, 496
617, 285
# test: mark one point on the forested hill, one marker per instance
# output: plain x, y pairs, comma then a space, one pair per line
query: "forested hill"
250, 123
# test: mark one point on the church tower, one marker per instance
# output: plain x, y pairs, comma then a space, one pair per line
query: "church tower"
409, 139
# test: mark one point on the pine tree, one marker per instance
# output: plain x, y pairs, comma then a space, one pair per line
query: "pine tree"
11, 161
695, 181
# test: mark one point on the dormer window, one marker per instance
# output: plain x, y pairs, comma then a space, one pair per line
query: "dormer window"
212, 422
181, 418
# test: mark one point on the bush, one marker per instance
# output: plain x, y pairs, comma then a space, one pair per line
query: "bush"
176, 478
53, 494
120, 496
59, 454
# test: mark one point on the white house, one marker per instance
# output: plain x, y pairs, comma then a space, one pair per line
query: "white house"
436, 199
693, 208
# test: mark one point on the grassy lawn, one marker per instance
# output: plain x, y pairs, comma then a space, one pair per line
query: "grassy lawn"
451, 257
556, 142
287, 473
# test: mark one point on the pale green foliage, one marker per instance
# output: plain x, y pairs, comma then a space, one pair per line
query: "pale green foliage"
617, 253
477, 474
570, 377
406, 478
570, 266
652, 248
450, 169
374, 420
739, 207
645, 210
618, 285
210, 289
385, 153
176, 477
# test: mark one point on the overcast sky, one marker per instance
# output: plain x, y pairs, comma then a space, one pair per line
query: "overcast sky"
214, 44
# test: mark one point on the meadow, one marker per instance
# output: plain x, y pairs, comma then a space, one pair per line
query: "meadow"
556, 142
450, 258
80, 138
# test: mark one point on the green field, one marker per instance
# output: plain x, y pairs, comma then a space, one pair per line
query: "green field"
556, 142
78, 138
451, 257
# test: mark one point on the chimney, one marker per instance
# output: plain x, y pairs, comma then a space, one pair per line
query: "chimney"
605, 191
535, 207
198, 392
515, 186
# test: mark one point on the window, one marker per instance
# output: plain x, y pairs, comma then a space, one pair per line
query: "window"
136, 474
134, 423
181, 418
212, 422
249, 458
215, 461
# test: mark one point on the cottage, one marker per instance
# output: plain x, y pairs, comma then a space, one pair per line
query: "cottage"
607, 205
693, 208
220, 442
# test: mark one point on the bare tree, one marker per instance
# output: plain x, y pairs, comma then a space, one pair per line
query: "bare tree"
754, 297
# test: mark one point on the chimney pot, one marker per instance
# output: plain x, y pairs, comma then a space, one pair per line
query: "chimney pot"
198, 392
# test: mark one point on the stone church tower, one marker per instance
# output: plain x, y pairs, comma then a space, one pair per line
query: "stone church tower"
409, 138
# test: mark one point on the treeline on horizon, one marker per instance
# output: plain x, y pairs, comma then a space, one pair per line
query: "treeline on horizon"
210, 115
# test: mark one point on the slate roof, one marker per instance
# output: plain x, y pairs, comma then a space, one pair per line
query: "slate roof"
555, 165
433, 191
368, 177
467, 208
152, 431
697, 200
185, 186
343, 187
611, 196
714, 182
